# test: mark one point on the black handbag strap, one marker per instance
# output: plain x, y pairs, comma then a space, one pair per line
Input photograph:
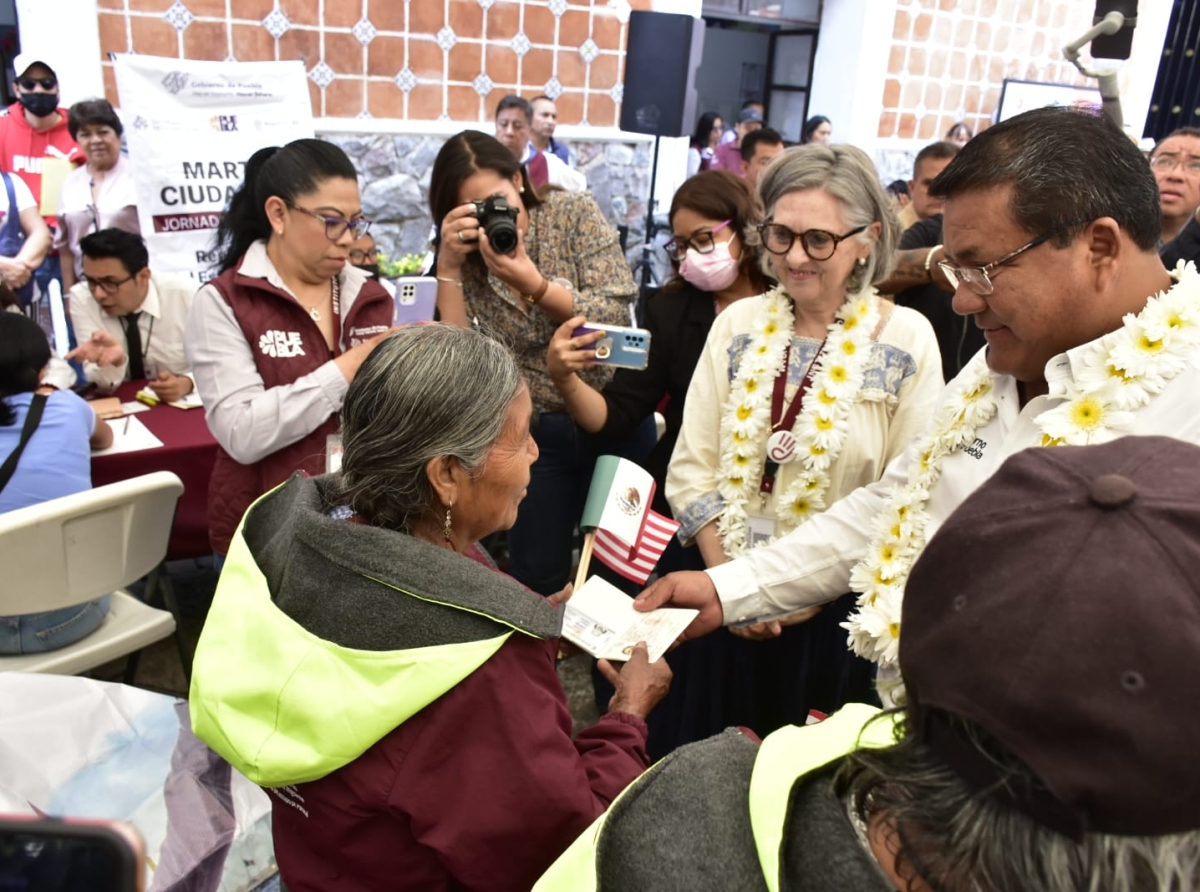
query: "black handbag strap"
36, 406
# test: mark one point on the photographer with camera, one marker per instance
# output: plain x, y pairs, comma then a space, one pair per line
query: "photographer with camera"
518, 266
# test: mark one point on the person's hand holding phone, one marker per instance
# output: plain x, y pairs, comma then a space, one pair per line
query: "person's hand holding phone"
569, 353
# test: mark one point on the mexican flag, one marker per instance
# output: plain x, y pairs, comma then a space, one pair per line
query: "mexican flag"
629, 536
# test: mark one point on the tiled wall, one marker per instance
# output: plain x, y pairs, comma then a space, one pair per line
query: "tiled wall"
949, 59
412, 59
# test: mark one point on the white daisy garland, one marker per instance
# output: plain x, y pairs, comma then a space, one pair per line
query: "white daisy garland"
820, 428
1117, 374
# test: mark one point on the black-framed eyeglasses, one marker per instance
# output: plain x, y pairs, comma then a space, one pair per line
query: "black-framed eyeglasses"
335, 227
979, 278
46, 83
370, 256
108, 286
700, 242
818, 244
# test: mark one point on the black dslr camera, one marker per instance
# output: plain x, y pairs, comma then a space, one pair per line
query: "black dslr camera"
499, 220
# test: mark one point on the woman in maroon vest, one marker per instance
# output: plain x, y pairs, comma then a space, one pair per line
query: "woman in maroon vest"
276, 338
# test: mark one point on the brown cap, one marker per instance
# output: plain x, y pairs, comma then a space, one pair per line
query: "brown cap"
1059, 609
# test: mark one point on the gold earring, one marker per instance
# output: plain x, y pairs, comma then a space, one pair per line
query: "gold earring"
446, 530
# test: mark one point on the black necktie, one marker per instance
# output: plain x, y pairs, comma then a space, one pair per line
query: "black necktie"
133, 343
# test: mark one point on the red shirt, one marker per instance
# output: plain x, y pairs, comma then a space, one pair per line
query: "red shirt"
23, 149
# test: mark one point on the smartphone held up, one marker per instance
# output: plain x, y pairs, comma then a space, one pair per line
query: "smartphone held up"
39, 853
621, 346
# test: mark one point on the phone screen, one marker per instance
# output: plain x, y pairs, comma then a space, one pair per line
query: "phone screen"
65, 860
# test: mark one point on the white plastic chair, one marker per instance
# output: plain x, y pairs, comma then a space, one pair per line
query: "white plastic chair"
75, 549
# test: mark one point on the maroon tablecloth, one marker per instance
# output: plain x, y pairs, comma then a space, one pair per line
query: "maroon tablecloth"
188, 450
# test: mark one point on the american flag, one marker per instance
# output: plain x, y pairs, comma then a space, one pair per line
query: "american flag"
656, 534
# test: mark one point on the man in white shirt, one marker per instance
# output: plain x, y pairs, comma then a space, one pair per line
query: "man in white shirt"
1051, 227
129, 321
513, 117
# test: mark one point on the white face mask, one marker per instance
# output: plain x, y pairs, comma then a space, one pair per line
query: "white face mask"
714, 271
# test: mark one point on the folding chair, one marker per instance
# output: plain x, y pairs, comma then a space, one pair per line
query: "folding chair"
75, 549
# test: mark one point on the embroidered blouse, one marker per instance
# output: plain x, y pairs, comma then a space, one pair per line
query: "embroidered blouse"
901, 385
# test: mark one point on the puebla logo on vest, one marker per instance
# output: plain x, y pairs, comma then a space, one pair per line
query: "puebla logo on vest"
281, 344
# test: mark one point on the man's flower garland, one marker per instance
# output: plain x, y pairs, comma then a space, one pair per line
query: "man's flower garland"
820, 428
1117, 374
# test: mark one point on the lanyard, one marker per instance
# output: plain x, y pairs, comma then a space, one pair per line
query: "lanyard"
781, 420
337, 316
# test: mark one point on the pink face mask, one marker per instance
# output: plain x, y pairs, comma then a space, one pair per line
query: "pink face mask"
714, 271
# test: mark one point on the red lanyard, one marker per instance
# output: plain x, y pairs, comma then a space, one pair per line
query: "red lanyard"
781, 420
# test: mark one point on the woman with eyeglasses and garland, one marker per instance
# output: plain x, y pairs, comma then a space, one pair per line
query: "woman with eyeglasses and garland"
802, 395
276, 338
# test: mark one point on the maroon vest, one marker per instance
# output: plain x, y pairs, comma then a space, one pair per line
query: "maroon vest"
539, 169
287, 344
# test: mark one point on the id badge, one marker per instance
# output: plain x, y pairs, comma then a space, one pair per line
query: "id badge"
762, 529
333, 453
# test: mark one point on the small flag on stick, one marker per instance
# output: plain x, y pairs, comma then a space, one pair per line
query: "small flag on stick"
621, 529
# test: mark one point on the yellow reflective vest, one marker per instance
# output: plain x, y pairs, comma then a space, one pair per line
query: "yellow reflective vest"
784, 758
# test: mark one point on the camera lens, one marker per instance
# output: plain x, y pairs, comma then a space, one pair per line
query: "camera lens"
501, 233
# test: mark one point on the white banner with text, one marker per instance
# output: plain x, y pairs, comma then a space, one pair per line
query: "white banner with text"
190, 128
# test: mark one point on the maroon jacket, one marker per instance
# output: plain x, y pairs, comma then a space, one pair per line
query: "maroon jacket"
481, 790
264, 311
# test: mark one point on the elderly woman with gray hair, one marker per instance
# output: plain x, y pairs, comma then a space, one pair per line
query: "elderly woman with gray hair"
802, 395
365, 662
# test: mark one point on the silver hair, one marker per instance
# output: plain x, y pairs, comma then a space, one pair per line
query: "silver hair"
957, 839
846, 173
425, 392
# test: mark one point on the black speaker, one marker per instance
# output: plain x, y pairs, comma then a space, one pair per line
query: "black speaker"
661, 56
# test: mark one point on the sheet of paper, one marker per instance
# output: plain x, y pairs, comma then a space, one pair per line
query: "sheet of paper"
54, 171
133, 407
129, 435
600, 619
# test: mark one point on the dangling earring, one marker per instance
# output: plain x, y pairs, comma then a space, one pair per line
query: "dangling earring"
446, 530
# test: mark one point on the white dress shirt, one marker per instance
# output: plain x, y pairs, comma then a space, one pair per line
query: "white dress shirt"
164, 314
249, 419
812, 564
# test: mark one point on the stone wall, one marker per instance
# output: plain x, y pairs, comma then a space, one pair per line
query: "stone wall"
395, 171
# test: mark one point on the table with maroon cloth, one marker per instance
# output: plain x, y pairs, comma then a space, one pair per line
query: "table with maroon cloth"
188, 451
